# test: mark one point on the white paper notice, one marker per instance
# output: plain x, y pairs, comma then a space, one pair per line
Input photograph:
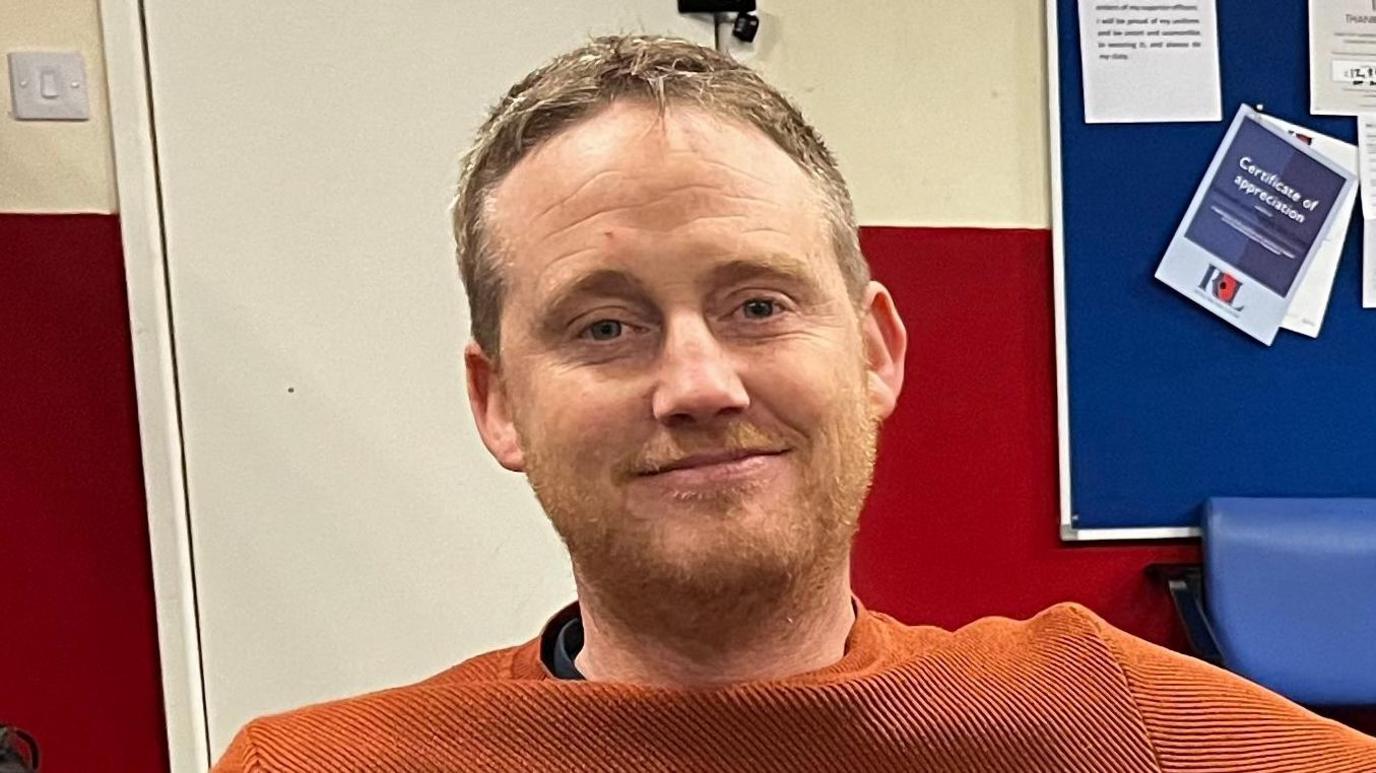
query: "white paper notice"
1366, 142
1342, 57
1149, 62
1307, 310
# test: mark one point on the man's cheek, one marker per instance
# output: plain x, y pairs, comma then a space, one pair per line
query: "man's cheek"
798, 387
577, 438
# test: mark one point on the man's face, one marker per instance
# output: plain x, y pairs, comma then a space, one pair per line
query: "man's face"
683, 376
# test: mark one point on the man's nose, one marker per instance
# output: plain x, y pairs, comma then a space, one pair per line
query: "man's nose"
698, 381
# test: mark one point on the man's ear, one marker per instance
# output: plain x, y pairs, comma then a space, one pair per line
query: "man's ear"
886, 345
491, 409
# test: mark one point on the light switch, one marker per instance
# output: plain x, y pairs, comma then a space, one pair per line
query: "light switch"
48, 86
47, 83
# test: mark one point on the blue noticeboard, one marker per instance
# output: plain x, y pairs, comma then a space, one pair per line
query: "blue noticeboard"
1163, 405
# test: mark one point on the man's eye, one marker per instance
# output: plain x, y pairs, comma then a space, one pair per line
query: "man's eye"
759, 308
603, 330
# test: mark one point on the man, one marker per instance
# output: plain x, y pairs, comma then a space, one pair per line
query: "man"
676, 339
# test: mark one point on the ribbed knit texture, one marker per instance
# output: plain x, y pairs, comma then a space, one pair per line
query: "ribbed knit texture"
1061, 692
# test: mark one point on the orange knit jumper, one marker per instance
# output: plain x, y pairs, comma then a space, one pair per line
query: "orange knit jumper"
1061, 692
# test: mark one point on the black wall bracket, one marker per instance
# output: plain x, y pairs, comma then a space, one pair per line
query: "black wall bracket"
746, 25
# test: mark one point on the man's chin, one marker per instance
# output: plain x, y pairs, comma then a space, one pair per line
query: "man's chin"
749, 548
684, 573
710, 580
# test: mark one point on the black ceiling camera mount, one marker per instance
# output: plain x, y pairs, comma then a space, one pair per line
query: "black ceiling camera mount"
746, 25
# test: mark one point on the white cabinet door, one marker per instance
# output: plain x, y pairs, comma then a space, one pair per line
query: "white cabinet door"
348, 530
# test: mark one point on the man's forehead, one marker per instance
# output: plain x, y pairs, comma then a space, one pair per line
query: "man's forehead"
632, 149
631, 185
627, 127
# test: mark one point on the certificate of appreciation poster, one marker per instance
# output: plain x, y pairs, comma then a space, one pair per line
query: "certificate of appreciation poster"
1264, 207
1342, 57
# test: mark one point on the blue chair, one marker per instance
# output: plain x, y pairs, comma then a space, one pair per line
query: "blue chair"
1286, 596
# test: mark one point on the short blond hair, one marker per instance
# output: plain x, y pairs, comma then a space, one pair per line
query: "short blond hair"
658, 70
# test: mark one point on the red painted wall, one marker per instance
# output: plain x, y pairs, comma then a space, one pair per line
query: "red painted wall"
78, 643
963, 520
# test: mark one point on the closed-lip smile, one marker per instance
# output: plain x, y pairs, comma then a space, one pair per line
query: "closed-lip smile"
716, 457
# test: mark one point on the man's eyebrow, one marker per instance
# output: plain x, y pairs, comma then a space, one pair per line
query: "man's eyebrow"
604, 282
775, 266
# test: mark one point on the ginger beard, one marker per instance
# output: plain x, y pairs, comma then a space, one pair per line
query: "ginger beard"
698, 566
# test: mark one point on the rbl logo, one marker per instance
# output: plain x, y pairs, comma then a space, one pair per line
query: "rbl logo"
1221, 285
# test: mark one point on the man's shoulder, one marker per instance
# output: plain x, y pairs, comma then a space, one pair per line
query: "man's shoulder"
1065, 654
1185, 706
364, 726
1058, 658
1063, 649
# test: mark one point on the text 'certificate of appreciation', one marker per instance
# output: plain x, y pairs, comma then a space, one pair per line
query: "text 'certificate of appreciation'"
1342, 57
1149, 62
1255, 223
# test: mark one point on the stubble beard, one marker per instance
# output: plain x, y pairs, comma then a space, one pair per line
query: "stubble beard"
741, 567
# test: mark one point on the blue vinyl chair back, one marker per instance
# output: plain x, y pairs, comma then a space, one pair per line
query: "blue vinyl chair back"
1290, 586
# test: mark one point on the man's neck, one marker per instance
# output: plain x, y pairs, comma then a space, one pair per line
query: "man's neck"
791, 638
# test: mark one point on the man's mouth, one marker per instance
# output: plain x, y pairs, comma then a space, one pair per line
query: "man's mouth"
712, 459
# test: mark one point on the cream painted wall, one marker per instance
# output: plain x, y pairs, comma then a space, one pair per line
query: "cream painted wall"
55, 166
961, 85
936, 109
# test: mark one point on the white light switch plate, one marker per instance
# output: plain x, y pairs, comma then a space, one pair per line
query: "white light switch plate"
48, 86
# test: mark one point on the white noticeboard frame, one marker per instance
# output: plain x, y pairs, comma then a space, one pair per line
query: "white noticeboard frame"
160, 431
1069, 531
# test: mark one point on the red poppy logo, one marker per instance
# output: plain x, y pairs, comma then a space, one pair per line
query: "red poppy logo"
1225, 289
1222, 285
